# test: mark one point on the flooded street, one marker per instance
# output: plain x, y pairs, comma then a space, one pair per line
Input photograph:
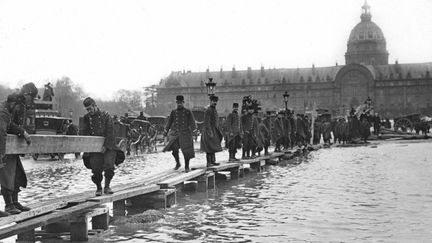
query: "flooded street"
381, 192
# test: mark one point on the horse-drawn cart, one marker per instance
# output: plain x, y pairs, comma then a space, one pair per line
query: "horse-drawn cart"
412, 122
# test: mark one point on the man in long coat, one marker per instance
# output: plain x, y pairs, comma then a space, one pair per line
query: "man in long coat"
264, 136
233, 138
99, 123
12, 174
179, 129
211, 137
247, 130
279, 131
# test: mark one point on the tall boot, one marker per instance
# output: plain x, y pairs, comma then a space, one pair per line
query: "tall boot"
209, 159
213, 156
230, 158
98, 184
9, 206
177, 160
187, 169
18, 205
107, 188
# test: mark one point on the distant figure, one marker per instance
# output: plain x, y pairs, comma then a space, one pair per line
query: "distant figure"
12, 174
48, 92
179, 129
99, 123
141, 116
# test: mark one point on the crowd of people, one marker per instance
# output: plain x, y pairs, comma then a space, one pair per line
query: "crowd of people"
250, 130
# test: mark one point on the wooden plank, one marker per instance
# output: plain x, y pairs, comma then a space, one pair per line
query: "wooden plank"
32, 213
181, 178
125, 194
53, 144
52, 217
250, 161
225, 166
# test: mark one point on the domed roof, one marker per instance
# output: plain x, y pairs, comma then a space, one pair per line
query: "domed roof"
366, 30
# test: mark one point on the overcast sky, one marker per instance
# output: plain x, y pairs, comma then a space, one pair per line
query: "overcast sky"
108, 45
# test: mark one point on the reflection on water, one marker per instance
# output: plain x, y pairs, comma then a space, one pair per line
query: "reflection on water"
355, 194
359, 194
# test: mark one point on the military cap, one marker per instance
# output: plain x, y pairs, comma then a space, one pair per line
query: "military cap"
214, 98
88, 102
179, 98
235, 105
281, 112
17, 98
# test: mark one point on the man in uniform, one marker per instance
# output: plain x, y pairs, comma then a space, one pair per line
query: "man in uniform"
12, 174
233, 141
99, 123
279, 131
211, 137
179, 129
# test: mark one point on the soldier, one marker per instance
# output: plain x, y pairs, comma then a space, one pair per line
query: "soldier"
99, 123
48, 93
248, 141
233, 141
179, 129
141, 116
212, 136
12, 174
279, 131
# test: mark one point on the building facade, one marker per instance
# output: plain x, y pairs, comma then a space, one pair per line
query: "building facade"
395, 89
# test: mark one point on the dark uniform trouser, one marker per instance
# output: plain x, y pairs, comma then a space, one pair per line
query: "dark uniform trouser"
11, 196
175, 152
102, 162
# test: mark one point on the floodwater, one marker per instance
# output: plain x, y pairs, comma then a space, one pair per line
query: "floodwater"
376, 193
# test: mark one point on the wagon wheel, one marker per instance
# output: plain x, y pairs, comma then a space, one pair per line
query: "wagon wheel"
403, 124
122, 144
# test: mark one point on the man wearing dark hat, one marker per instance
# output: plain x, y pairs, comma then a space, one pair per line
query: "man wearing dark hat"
247, 130
233, 141
12, 174
212, 136
179, 129
48, 92
279, 129
99, 123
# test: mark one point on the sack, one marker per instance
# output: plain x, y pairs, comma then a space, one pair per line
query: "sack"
86, 160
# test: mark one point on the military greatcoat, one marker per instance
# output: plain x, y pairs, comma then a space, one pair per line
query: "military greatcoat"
180, 125
212, 136
12, 176
232, 123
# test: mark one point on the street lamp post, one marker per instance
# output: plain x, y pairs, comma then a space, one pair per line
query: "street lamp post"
211, 87
286, 96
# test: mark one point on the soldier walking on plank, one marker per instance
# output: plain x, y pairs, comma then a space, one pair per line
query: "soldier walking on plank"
179, 129
12, 174
211, 137
233, 141
99, 123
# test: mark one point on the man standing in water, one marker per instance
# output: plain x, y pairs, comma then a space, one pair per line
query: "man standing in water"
211, 137
180, 128
12, 174
99, 123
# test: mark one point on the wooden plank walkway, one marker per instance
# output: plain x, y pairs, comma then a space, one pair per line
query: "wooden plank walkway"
68, 207
53, 144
